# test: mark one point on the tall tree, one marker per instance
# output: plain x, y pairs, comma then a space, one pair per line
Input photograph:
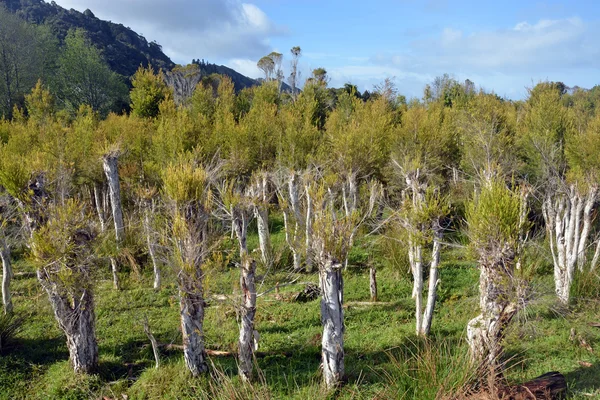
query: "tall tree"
27, 53
83, 77
187, 187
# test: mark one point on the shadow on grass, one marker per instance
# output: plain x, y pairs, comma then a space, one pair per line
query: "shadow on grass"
584, 378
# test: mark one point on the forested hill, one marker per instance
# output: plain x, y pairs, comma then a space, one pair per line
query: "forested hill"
123, 49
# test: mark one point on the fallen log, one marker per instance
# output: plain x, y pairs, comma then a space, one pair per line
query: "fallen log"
549, 386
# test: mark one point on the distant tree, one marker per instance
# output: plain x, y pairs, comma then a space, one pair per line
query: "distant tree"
267, 66
294, 74
149, 89
83, 77
27, 53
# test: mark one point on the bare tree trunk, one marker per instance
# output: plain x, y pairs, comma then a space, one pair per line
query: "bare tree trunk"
587, 223
153, 342
486, 331
418, 286
433, 282
594, 262
7, 274
309, 230
568, 223
99, 201
114, 268
332, 318
76, 318
292, 242
373, 283
264, 238
111, 170
191, 304
151, 250
248, 311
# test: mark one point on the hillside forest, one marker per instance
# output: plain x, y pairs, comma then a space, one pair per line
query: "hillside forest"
187, 239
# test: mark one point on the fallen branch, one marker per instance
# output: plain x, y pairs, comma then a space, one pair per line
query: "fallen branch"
152, 341
222, 353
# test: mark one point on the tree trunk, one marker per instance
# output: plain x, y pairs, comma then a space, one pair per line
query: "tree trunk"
7, 275
418, 286
292, 242
76, 318
309, 230
114, 269
433, 283
110, 164
248, 310
373, 283
98, 200
568, 223
151, 250
332, 318
261, 212
486, 331
191, 304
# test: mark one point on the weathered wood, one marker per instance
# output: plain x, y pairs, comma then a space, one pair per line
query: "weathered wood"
549, 386
248, 310
111, 170
332, 319
153, 342
7, 275
373, 283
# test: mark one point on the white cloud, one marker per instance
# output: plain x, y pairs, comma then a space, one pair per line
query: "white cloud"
545, 45
215, 30
245, 67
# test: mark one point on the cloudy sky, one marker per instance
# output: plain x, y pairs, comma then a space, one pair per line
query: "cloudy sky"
504, 46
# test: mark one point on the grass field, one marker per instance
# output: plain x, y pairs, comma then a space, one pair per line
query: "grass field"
384, 358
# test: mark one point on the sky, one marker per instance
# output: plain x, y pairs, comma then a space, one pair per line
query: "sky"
502, 46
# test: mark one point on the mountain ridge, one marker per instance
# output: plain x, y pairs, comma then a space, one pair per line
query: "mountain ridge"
123, 48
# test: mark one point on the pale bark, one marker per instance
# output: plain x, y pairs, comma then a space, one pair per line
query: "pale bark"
291, 238
191, 310
373, 283
309, 230
433, 282
486, 331
76, 318
594, 262
99, 202
248, 311
153, 342
192, 249
261, 213
568, 224
111, 170
7, 275
418, 286
152, 250
332, 318
248, 289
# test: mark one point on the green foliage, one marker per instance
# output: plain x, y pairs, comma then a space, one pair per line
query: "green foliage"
186, 182
83, 77
493, 218
28, 54
64, 246
149, 90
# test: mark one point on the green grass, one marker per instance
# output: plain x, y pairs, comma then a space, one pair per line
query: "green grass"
384, 358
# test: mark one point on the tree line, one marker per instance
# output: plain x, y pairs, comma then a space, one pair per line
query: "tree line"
168, 183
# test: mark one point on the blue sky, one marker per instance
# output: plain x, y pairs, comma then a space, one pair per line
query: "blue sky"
502, 46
